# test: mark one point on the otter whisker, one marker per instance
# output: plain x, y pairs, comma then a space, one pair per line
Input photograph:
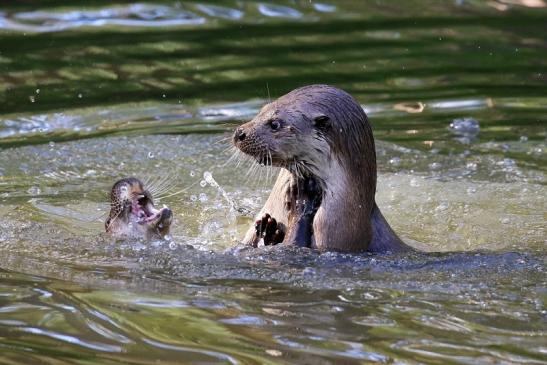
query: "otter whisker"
178, 192
163, 182
151, 183
222, 140
269, 167
258, 170
241, 158
164, 185
228, 149
233, 157
146, 180
112, 219
252, 171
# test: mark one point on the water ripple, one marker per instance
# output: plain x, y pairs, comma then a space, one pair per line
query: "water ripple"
221, 11
133, 15
72, 339
278, 11
215, 355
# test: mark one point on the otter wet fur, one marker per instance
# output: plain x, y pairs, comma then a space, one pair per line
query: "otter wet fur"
324, 196
133, 214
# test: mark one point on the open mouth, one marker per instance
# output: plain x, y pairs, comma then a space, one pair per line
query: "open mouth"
144, 211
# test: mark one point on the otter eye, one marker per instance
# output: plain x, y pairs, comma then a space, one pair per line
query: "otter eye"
321, 121
274, 125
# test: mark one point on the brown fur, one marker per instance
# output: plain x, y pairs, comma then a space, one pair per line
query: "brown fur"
323, 133
127, 196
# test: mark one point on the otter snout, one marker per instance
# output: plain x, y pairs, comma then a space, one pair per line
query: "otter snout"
164, 221
133, 213
166, 215
239, 135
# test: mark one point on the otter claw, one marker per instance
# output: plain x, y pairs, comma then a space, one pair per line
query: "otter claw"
278, 236
268, 229
260, 225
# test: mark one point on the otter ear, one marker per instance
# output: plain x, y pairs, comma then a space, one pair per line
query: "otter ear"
321, 121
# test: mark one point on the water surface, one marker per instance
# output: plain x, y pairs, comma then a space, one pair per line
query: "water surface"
456, 94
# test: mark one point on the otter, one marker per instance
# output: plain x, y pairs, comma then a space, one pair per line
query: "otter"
324, 195
133, 214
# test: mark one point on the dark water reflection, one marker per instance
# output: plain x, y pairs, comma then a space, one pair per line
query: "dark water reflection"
456, 92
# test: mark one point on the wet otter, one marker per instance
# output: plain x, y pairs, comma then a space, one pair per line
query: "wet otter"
132, 212
324, 194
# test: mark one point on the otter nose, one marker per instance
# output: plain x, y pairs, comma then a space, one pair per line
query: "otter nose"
166, 214
239, 135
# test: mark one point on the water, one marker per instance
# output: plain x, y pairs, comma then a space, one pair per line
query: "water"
456, 93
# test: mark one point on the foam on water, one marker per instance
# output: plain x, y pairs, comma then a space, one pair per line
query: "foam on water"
442, 203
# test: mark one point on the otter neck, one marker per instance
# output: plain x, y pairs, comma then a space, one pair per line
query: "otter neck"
384, 239
349, 191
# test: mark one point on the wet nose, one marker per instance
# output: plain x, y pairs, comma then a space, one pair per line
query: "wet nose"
239, 135
166, 214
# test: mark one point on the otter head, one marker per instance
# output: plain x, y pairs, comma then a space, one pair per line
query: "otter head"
133, 214
309, 129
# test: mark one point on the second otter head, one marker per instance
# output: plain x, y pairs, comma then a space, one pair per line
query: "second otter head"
133, 214
306, 128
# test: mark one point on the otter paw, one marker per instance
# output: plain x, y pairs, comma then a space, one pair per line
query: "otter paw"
268, 229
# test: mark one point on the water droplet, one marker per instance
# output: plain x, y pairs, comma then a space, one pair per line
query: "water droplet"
150, 154
435, 166
51, 144
203, 183
193, 198
395, 161
172, 245
37, 91
34, 190
163, 96
209, 178
523, 138
471, 166
442, 207
468, 128
31, 98
192, 173
80, 96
